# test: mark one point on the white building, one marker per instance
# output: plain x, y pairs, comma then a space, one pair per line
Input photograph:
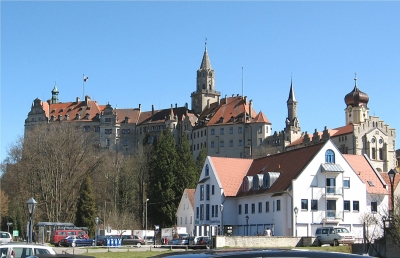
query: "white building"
184, 214
247, 196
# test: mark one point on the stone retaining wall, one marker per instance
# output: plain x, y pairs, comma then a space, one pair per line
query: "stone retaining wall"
261, 241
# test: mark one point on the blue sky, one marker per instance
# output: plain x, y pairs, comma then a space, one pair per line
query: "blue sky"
148, 53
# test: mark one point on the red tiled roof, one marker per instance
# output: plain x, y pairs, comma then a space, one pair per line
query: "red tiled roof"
261, 118
231, 107
72, 109
190, 195
289, 164
230, 172
132, 114
366, 173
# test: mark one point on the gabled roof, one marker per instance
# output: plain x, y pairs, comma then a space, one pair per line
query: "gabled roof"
72, 109
159, 116
231, 107
132, 114
190, 195
371, 178
230, 172
289, 164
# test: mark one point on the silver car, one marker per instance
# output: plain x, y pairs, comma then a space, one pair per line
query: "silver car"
19, 250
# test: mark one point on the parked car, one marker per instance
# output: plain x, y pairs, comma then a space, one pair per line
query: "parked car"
334, 236
5, 237
194, 240
149, 240
59, 234
133, 240
77, 241
204, 241
18, 250
99, 240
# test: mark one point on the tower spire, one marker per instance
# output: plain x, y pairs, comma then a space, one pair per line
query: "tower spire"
355, 79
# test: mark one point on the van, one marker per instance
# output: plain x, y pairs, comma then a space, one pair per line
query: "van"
60, 234
334, 236
5, 237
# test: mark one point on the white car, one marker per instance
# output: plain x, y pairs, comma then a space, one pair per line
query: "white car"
334, 236
19, 250
5, 237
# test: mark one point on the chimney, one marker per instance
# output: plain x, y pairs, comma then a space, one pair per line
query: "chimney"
152, 110
77, 99
176, 105
250, 109
208, 103
140, 105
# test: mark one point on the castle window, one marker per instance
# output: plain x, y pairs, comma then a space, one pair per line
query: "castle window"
329, 156
373, 155
240, 143
212, 144
212, 131
231, 130
380, 153
207, 171
107, 120
240, 129
256, 182
260, 129
125, 142
221, 131
230, 143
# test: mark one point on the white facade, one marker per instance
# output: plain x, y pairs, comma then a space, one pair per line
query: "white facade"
185, 213
325, 193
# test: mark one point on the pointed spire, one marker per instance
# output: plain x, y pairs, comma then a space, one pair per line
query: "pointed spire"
355, 80
205, 63
55, 90
291, 92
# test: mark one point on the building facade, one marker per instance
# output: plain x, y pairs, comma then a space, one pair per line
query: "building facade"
224, 126
362, 134
245, 196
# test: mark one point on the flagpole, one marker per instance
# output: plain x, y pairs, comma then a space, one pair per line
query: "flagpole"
83, 87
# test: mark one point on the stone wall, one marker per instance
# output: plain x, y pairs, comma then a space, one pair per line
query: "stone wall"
262, 241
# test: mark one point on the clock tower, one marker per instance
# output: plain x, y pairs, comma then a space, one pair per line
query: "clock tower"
205, 93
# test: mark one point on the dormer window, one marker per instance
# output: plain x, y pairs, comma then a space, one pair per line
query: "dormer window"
221, 120
232, 119
269, 179
247, 183
256, 181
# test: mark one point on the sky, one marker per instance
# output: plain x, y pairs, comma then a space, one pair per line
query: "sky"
148, 53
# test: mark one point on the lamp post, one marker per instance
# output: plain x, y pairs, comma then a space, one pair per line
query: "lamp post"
145, 234
96, 220
247, 223
392, 175
8, 226
221, 207
31, 203
296, 210
384, 227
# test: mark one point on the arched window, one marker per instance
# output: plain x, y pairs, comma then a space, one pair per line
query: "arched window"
207, 170
255, 183
329, 156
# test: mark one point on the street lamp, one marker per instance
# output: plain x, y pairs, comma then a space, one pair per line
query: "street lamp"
8, 226
96, 220
145, 234
392, 175
31, 203
247, 223
221, 207
296, 210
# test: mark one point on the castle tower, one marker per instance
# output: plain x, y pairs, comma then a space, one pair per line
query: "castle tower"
205, 86
356, 106
54, 95
292, 129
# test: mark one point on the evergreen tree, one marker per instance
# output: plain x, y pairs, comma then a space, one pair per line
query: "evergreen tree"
162, 169
201, 158
86, 207
186, 174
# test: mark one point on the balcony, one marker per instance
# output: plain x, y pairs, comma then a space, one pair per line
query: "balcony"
333, 192
333, 215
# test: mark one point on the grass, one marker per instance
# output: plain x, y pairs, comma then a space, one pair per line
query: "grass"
146, 254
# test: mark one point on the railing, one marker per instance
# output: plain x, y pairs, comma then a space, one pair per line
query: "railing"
333, 190
333, 214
